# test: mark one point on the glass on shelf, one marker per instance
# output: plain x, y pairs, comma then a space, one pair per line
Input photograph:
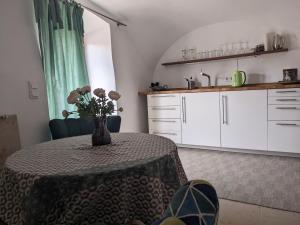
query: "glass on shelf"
246, 47
241, 47
200, 55
184, 54
206, 54
212, 53
226, 50
193, 53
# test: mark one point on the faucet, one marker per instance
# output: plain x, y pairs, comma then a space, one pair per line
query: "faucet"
208, 76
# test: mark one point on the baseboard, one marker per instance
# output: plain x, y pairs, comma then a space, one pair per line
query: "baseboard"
247, 151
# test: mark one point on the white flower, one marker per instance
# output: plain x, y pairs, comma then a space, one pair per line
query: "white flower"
73, 97
113, 95
99, 92
86, 89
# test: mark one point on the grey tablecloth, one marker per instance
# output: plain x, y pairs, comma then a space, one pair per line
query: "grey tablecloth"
69, 182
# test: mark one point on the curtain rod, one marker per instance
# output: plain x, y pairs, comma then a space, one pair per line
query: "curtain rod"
99, 14
102, 15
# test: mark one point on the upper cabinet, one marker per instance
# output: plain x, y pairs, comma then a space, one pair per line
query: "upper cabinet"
201, 119
244, 119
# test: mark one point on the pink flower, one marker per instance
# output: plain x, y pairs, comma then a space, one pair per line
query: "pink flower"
113, 95
99, 92
86, 89
73, 97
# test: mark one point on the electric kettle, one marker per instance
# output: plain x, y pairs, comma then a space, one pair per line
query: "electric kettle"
238, 78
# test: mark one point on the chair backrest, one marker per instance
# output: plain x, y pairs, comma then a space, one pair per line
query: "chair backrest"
9, 137
62, 128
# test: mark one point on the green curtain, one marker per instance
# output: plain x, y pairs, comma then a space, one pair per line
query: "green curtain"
61, 33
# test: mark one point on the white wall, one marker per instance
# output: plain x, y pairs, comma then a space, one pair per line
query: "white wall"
20, 62
266, 68
133, 73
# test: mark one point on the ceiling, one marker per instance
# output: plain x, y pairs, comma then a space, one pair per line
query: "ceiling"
155, 24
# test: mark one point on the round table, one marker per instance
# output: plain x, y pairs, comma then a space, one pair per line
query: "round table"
70, 182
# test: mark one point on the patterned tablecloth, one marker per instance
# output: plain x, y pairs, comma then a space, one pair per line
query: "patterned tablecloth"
69, 182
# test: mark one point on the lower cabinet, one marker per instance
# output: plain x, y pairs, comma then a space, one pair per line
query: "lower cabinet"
164, 116
201, 119
244, 119
175, 136
169, 128
248, 119
284, 136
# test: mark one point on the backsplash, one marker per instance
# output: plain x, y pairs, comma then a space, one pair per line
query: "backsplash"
261, 69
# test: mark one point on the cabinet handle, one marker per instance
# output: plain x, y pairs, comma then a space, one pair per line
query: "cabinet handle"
173, 134
163, 96
184, 109
287, 124
287, 100
293, 108
286, 92
224, 110
171, 109
164, 121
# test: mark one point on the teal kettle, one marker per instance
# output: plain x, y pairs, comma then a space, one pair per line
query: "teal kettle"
238, 78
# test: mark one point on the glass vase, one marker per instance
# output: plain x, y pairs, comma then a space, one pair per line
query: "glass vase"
101, 135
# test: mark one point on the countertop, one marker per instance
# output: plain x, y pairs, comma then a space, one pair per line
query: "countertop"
261, 86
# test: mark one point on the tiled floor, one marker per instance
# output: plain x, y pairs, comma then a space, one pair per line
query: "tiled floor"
235, 213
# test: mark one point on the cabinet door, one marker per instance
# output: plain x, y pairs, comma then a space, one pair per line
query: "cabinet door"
244, 119
284, 136
201, 119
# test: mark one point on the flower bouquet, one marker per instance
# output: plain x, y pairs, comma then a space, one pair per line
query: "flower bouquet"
97, 108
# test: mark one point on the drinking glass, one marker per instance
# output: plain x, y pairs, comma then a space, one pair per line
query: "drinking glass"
226, 49
184, 53
232, 49
194, 53
241, 47
220, 52
246, 47
213, 54
206, 54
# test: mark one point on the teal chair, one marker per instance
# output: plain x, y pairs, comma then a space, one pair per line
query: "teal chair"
63, 128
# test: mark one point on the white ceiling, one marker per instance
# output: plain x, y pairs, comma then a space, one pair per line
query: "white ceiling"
156, 24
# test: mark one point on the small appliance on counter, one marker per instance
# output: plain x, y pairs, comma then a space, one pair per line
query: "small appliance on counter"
157, 87
259, 48
238, 78
290, 76
191, 83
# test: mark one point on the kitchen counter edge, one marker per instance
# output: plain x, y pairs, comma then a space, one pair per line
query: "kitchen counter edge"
247, 87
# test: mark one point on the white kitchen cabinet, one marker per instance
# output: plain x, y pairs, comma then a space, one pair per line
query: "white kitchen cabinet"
244, 119
163, 100
164, 116
201, 119
284, 120
284, 136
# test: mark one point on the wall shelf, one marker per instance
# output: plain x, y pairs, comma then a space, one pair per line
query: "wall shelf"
224, 57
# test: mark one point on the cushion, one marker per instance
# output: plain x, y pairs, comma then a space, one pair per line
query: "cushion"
195, 203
